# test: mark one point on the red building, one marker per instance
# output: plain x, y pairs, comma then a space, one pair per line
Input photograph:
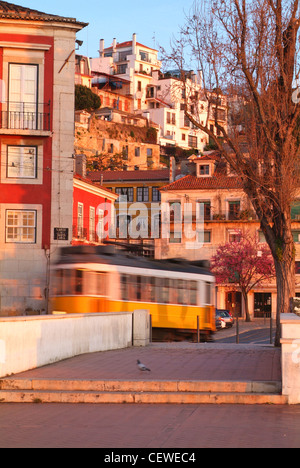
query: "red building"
93, 211
37, 68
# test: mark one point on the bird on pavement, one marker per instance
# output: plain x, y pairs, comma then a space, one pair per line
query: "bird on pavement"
142, 367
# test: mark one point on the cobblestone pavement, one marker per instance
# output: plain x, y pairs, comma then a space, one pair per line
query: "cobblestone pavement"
148, 426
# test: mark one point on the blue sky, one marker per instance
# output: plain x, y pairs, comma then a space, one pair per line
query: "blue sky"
153, 21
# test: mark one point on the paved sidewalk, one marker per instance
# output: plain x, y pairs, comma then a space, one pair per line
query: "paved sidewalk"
170, 361
167, 428
157, 426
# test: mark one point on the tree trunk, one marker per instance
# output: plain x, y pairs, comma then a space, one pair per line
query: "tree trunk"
246, 305
285, 276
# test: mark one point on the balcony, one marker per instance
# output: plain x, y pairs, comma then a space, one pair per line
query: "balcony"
24, 118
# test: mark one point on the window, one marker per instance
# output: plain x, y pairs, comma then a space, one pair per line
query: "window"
193, 141
193, 292
156, 197
142, 194
92, 224
207, 293
144, 56
149, 152
80, 220
21, 226
204, 169
175, 211
295, 210
137, 151
204, 209
204, 237
234, 236
125, 192
22, 162
175, 237
23, 87
296, 236
139, 86
121, 69
80, 282
234, 209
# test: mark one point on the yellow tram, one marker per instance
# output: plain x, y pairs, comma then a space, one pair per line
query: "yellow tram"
178, 294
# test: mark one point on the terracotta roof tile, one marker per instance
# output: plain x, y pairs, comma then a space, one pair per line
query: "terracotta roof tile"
127, 176
94, 184
191, 182
12, 11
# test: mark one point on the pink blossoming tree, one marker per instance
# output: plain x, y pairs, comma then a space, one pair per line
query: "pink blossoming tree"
243, 265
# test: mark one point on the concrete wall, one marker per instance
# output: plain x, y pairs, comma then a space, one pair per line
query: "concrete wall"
290, 348
30, 342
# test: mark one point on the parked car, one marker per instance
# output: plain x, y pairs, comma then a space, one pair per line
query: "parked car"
227, 321
218, 322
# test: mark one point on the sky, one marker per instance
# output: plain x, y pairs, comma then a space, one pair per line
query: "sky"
154, 21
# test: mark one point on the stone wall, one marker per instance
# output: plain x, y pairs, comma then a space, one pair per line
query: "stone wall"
290, 346
30, 342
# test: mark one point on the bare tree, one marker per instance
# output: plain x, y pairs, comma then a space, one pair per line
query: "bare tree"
248, 50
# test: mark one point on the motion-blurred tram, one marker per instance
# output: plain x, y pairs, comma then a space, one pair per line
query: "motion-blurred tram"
178, 294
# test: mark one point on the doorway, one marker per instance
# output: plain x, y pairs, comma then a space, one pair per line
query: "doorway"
262, 305
234, 303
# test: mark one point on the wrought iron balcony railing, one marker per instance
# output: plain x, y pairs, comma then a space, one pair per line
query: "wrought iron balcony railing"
24, 116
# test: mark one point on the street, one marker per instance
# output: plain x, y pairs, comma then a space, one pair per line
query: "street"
255, 332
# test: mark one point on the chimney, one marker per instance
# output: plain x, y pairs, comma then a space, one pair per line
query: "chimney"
101, 51
134, 44
114, 45
80, 165
172, 169
200, 78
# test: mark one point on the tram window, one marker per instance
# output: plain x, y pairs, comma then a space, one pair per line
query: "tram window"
57, 286
138, 288
207, 293
132, 289
124, 287
148, 289
173, 297
193, 293
68, 282
94, 283
78, 289
182, 292
165, 290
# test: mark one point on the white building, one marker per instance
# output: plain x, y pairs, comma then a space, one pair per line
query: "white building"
132, 61
162, 98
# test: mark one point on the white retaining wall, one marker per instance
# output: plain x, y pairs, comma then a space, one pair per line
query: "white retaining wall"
290, 349
30, 342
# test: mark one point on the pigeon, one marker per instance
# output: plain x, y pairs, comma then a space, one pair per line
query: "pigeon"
142, 367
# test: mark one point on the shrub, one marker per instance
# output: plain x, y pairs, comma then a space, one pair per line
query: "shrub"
85, 99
